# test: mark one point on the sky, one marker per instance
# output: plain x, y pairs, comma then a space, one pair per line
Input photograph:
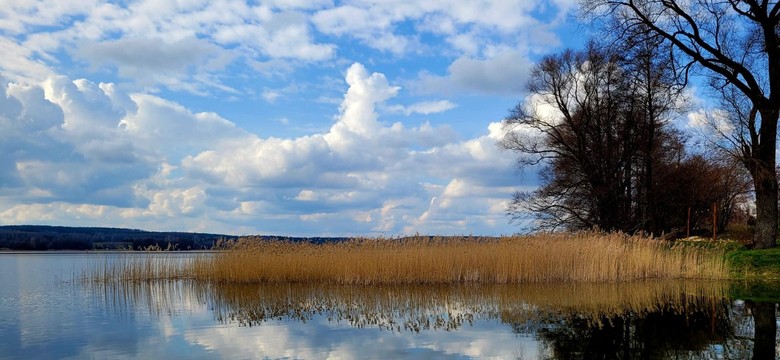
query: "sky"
281, 117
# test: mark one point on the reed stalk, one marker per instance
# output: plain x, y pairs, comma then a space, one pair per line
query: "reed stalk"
549, 258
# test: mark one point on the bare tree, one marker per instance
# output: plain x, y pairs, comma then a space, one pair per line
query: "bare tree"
735, 44
657, 95
598, 121
595, 123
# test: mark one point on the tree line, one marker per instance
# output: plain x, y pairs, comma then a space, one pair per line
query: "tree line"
39, 238
42, 237
599, 121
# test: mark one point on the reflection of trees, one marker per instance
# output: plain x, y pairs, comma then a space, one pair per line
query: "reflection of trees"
665, 332
670, 331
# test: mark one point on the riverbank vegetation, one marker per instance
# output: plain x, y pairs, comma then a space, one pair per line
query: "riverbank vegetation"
549, 258
755, 264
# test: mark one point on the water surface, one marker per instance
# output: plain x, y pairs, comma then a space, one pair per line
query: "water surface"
46, 312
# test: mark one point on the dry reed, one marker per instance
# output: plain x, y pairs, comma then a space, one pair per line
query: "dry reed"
147, 267
580, 257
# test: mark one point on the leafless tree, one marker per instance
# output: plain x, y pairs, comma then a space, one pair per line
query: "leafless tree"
598, 121
736, 45
596, 125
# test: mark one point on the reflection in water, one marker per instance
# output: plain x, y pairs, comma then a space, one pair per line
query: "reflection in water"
765, 323
664, 332
648, 320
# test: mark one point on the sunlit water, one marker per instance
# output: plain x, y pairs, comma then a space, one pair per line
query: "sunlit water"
47, 312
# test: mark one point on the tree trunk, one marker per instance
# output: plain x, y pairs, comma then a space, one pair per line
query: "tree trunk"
762, 168
766, 212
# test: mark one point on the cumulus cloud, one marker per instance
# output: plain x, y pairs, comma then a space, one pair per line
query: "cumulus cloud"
69, 147
142, 161
135, 134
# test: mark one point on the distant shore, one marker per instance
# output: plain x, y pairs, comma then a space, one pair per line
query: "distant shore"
55, 252
60, 238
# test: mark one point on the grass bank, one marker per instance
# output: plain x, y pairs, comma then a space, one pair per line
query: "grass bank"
560, 258
755, 264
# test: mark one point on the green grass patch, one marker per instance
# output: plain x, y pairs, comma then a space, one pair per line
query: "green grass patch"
755, 264
743, 263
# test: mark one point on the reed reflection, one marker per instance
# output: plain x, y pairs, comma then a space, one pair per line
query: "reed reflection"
649, 320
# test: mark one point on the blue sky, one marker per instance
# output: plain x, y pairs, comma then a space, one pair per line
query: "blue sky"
293, 117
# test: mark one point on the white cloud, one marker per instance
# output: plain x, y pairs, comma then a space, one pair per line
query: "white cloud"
170, 130
424, 108
18, 62
195, 46
470, 27
155, 125
712, 123
19, 16
363, 155
277, 35
176, 202
139, 160
306, 195
179, 45
271, 95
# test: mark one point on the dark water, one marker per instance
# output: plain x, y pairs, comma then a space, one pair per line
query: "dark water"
46, 312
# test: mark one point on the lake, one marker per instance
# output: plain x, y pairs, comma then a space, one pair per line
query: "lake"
48, 312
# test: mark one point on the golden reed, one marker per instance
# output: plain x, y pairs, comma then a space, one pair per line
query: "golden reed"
548, 258
582, 257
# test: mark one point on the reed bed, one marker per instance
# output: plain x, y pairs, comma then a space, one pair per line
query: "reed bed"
579, 257
148, 266
557, 258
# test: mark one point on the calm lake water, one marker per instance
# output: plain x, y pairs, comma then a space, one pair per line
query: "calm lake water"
46, 312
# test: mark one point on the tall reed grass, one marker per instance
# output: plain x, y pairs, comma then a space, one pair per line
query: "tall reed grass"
579, 257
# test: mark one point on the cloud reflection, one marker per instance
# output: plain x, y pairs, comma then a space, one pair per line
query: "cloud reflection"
525, 322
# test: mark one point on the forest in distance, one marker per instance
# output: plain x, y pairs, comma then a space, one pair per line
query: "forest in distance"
42, 238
